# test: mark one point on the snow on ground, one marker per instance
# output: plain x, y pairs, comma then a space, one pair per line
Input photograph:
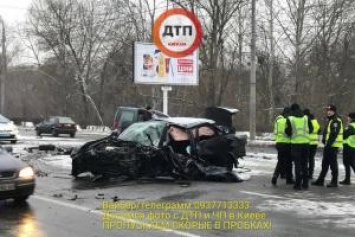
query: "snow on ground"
316, 211
62, 161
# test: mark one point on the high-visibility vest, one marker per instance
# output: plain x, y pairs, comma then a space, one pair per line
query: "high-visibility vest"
313, 137
279, 130
350, 141
300, 130
339, 139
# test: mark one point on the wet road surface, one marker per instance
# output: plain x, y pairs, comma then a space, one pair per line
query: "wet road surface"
63, 206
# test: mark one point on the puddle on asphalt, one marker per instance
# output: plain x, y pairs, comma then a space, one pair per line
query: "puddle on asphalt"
18, 220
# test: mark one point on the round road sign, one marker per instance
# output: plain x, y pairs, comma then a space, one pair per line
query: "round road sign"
177, 32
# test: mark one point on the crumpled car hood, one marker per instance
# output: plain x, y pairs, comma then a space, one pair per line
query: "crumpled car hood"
110, 157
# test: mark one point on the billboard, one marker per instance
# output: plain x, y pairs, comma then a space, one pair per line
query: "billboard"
151, 66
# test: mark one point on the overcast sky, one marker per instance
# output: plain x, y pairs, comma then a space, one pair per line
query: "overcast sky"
13, 10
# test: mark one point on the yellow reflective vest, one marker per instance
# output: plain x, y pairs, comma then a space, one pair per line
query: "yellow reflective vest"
300, 130
279, 130
350, 141
339, 139
313, 137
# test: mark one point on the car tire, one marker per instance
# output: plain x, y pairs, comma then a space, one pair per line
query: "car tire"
54, 133
38, 133
13, 141
72, 134
21, 199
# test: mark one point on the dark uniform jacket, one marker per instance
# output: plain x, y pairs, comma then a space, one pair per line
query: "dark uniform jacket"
335, 127
348, 131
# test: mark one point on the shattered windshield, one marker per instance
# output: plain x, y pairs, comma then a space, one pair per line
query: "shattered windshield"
144, 133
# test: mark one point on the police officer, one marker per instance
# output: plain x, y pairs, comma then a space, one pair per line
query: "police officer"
298, 127
313, 141
284, 162
332, 140
349, 148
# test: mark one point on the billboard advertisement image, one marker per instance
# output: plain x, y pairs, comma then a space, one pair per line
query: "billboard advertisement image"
151, 66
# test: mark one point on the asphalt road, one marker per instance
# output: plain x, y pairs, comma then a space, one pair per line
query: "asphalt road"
63, 206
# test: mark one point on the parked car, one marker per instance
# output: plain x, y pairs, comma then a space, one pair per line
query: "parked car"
189, 148
126, 116
57, 125
17, 180
8, 130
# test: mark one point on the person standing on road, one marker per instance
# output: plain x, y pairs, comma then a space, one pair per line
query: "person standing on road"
332, 140
349, 148
313, 141
284, 162
298, 128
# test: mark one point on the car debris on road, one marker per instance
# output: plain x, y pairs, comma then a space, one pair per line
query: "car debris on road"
183, 148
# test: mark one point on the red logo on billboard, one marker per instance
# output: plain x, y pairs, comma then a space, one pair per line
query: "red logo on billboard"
177, 32
185, 66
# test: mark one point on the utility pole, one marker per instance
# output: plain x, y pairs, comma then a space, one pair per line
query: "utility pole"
252, 101
271, 63
3, 68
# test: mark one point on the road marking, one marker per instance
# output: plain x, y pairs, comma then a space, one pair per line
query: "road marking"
101, 213
279, 197
267, 195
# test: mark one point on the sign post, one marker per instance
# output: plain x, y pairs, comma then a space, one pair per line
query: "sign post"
165, 90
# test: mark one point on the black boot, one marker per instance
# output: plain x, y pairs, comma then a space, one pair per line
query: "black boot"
297, 187
318, 182
345, 182
333, 183
274, 180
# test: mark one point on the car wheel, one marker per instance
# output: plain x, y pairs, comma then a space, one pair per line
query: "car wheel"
54, 133
13, 141
38, 133
21, 199
72, 134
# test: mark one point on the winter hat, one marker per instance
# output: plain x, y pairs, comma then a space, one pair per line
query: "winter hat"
332, 108
295, 106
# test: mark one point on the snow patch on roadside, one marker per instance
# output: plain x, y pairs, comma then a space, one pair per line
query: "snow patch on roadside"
340, 214
62, 161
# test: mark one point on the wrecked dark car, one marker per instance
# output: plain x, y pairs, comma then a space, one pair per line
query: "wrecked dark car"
183, 148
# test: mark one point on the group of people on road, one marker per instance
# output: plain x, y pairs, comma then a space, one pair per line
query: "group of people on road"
296, 133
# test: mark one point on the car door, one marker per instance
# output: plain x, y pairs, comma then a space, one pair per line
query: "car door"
51, 124
41, 127
47, 125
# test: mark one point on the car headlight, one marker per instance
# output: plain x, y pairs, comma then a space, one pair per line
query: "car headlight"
26, 173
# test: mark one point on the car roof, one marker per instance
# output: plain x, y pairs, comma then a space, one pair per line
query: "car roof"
187, 122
